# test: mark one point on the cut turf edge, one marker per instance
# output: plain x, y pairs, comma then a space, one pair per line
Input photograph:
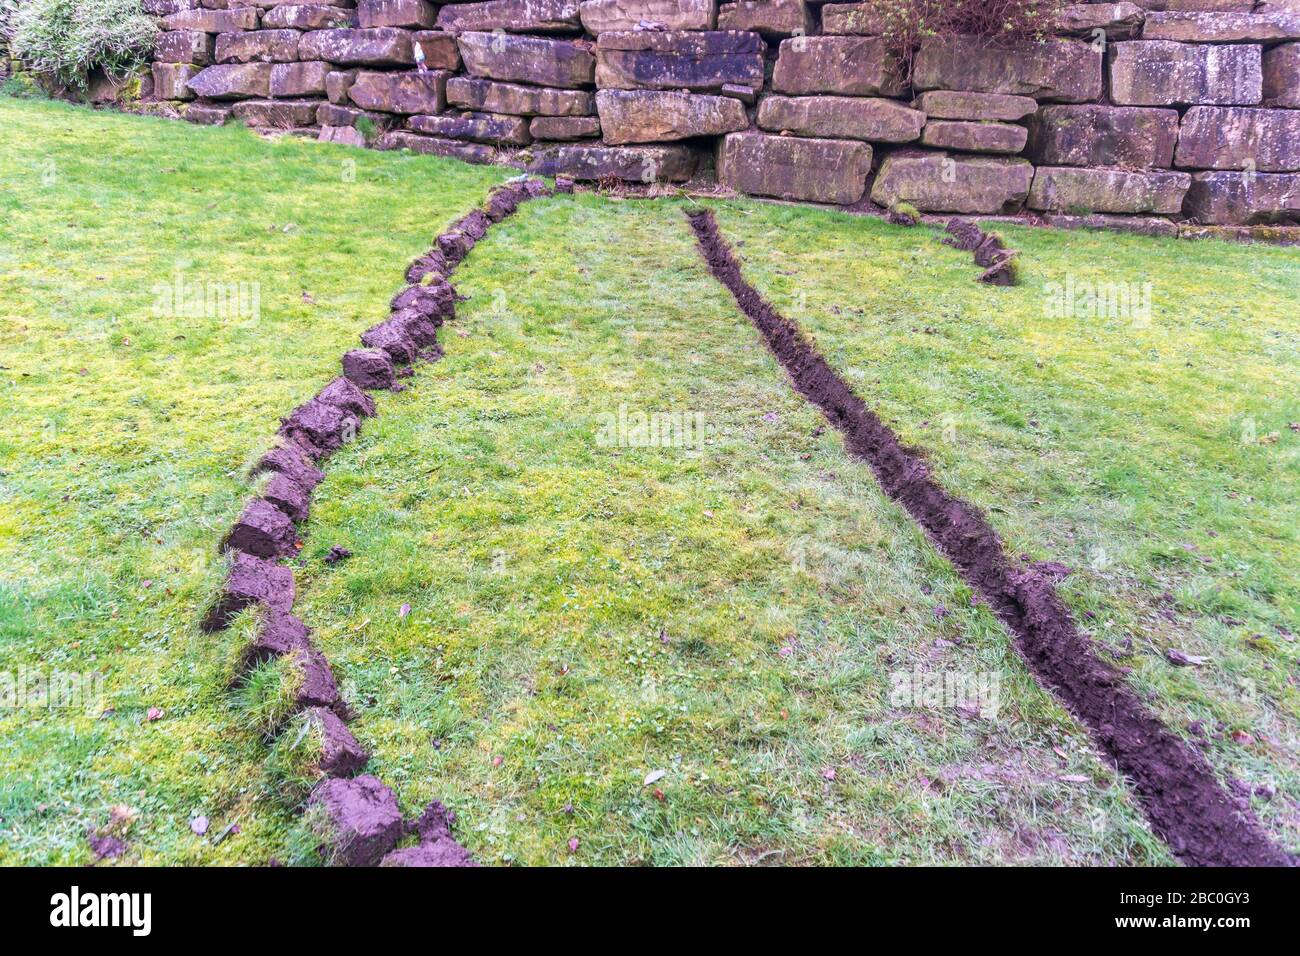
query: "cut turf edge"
1177, 787
355, 816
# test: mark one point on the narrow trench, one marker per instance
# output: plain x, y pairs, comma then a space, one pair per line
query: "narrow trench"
1183, 800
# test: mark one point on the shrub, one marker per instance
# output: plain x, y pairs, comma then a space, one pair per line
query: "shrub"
67, 39
907, 22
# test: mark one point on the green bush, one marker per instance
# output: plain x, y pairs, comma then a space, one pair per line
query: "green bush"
67, 39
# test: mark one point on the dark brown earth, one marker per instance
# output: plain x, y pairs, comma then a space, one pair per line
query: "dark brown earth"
1186, 805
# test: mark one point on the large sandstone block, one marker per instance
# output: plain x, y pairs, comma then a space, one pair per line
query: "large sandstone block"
853, 18
1222, 27
854, 66
965, 105
233, 81
213, 21
308, 16
515, 16
522, 59
299, 79
439, 49
183, 46
699, 62
789, 167
171, 80
258, 46
1282, 76
1069, 189
477, 127
1165, 73
1118, 21
1234, 199
944, 182
656, 116
971, 137
403, 14
564, 127
841, 117
774, 18
1060, 71
1096, 135
491, 97
480, 153
614, 16
636, 164
400, 92
277, 114
1232, 137
382, 47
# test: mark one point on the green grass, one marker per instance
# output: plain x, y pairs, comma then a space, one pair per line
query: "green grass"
128, 432
729, 616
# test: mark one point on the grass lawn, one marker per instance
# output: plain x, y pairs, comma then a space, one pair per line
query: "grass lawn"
723, 620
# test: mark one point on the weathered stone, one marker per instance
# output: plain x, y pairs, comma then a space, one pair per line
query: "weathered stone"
774, 18
638, 164
1222, 27
233, 81
656, 116
308, 16
965, 105
1069, 189
276, 114
343, 135
467, 152
258, 46
564, 127
1117, 21
538, 60
478, 127
490, 97
299, 79
403, 14
943, 182
1095, 135
788, 167
400, 92
515, 16
698, 62
855, 66
1165, 73
263, 530
1065, 71
975, 137
1232, 137
1242, 199
183, 46
439, 49
207, 114
363, 820
369, 368
213, 21
337, 84
162, 8
614, 16
367, 124
383, 47
1139, 225
171, 80
841, 117
1282, 76
864, 19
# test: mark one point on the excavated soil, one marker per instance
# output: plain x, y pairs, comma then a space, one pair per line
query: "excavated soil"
1183, 800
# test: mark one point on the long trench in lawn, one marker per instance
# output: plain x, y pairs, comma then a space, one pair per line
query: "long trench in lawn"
1183, 800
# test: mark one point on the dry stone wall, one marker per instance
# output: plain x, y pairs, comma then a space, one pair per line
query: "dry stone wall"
1182, 109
